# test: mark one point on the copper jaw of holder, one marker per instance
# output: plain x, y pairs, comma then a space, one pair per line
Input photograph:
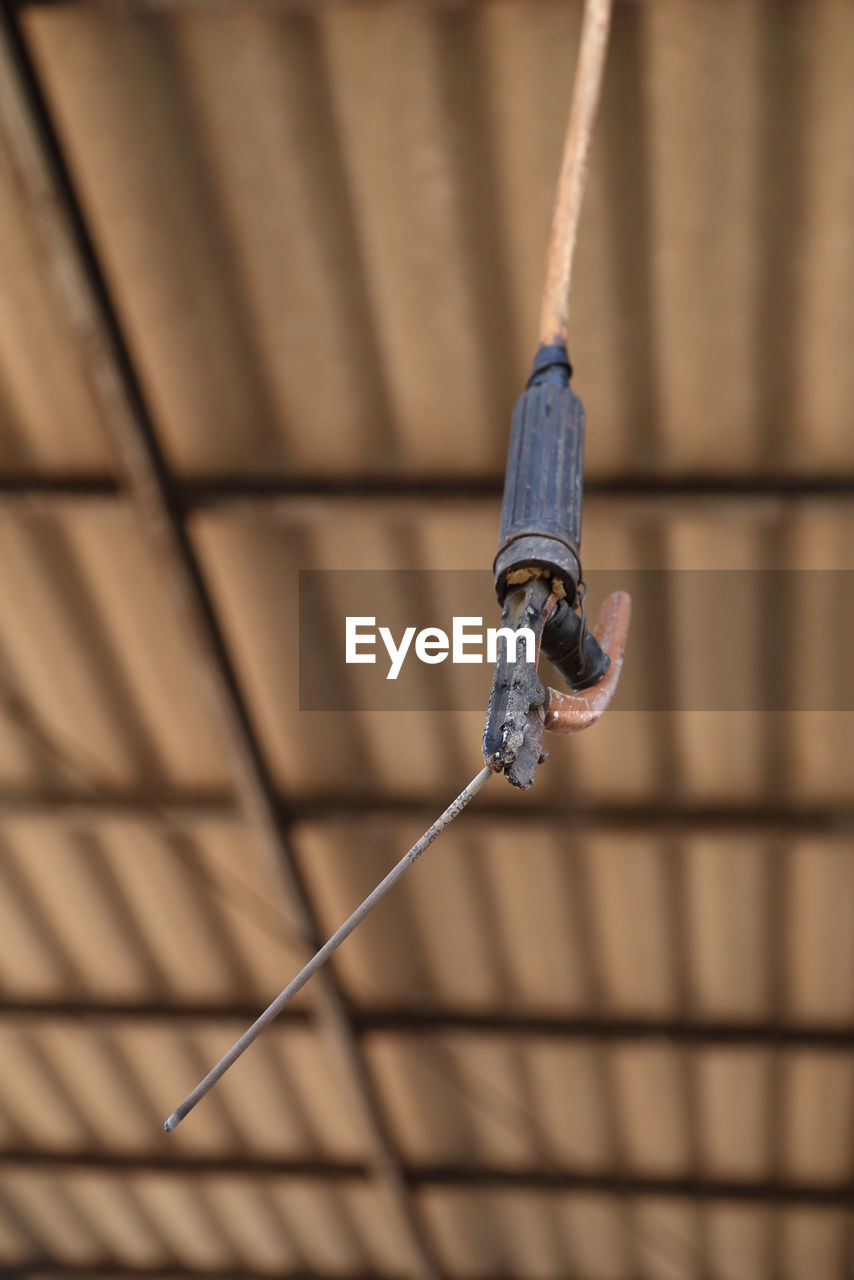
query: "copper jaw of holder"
572, 712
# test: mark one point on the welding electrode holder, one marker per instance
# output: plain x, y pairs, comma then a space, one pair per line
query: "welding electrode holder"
541, 512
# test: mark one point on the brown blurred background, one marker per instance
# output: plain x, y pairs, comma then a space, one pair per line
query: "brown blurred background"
269, 277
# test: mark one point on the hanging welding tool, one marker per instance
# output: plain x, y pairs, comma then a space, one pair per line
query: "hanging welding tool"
538, 575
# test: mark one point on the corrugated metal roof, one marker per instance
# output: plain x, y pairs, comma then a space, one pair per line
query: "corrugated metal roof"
608, 1024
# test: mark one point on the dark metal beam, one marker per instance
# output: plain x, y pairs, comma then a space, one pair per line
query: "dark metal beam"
83, 299
788, 821
307, 495
455, 1177
127, 1271
655, 818
274, 6
67, 809
76, 487
617, 486
602, 1028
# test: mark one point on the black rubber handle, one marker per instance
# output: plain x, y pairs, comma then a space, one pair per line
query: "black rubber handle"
578, 657
541, 512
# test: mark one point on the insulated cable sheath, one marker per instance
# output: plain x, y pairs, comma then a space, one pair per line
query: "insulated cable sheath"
554, 316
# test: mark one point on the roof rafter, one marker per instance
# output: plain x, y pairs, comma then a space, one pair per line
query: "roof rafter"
306, 497
604, 1027
763, 820
456, 1176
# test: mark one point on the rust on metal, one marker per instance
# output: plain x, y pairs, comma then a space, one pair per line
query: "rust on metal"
572, 712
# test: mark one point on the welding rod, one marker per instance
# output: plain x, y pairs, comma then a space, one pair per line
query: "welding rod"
320, 957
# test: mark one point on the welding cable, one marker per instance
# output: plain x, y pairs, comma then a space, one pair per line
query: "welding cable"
553, 331
554, 315
320, 957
